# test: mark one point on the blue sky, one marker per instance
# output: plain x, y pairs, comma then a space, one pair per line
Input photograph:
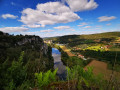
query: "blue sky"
48, 18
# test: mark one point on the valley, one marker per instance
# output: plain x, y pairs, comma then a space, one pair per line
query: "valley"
102, 51
59, 45
32, 62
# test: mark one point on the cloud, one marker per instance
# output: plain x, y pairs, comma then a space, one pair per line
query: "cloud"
5, 16
83, 24
108, 24
13, 29
47, 33
47, 30
48, 14
29, 33
68, 28
87, 27
106, 18
62, 27
41, 33
32, 26
36, 32
82, 5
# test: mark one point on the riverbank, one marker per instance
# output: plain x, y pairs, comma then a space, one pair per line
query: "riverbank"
99, 67
68, 58
58, 64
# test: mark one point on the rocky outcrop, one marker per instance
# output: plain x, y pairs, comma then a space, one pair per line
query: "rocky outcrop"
30, 39
34, 40
24, 43
45, 48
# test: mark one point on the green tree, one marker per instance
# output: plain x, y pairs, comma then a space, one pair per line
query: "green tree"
17, 72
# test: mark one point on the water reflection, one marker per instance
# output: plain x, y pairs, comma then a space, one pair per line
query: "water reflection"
58, 63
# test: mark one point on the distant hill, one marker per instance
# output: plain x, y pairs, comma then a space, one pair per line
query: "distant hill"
78, 39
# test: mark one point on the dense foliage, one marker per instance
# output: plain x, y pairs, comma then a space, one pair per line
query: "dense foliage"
77, 79
72, 61
35, 57
44, 79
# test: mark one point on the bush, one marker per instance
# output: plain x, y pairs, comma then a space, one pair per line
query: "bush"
44, 79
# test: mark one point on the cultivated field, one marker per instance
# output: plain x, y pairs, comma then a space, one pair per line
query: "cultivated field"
67, 50
101, 67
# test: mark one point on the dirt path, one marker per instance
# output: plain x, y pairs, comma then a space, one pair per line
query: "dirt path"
101, 67
67, 50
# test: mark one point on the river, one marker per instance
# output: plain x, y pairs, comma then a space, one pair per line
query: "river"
59, 64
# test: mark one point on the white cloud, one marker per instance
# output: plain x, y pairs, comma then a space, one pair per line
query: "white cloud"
47, 30
5, 16
29, 33
87, 27
32, 26
82, 5
40, 33
13, 29
83, 24
68, 28
48, 33
106, 18
108, 24
48, 14
62, 27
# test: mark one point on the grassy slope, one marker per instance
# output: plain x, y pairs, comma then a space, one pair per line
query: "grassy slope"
70, 38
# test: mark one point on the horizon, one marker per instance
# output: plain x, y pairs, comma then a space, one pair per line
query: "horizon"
65, 35
63, 17
82, 34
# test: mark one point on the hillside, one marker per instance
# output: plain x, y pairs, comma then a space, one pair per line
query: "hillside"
21, 57
74, 40
102, 46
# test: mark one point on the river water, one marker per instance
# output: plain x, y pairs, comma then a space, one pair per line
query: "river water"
59, 64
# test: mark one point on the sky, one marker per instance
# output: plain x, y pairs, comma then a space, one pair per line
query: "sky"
49, 18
